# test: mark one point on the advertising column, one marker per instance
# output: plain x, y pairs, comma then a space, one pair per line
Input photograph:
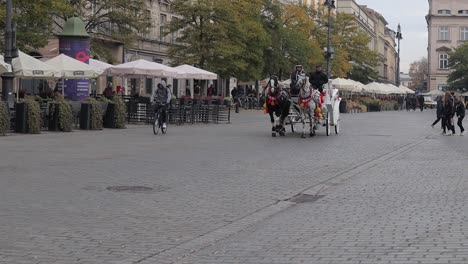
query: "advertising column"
74, 42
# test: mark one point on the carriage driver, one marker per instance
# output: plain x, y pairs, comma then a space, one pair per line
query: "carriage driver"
294, 78
318, 78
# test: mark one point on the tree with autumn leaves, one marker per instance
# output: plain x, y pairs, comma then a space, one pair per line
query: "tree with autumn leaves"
37, 20
253, 39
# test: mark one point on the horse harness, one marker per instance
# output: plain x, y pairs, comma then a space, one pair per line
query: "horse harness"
304, 101
274, 99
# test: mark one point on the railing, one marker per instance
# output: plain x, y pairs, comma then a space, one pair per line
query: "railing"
180, 111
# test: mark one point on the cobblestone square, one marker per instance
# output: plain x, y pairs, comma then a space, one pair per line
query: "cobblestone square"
394, 191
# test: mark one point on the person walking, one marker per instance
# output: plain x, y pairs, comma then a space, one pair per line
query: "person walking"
408, 103
460, 111
421, 102
440, 112
449, 110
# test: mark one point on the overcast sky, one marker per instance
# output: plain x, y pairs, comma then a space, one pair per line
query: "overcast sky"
411, 15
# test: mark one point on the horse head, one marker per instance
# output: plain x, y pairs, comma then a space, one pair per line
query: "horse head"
302, 84
273, 84
316, 96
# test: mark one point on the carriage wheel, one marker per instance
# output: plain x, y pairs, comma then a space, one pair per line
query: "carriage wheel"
327, 124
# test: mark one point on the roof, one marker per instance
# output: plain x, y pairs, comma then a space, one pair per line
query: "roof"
371, 12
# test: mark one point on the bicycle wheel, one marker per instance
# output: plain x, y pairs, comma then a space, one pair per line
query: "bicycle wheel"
163, 130
156, 124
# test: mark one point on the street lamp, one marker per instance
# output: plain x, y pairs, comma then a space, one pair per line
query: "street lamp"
10, 53
399, 37
330, 4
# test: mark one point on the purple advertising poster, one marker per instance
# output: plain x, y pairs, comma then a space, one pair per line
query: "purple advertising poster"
78, 49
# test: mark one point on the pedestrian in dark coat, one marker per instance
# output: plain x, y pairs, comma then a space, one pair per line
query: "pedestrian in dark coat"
440, 112
421, 102
449, 111
460, 111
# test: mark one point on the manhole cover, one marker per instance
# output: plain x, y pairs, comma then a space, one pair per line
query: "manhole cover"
306, 198
129, 189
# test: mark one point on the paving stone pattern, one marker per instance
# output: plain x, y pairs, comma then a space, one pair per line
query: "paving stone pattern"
394, 193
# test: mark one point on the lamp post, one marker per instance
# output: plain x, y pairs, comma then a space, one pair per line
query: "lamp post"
330, 4
10, 53
398, 37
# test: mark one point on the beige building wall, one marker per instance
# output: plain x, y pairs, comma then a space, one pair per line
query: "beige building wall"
448, 28
382, 38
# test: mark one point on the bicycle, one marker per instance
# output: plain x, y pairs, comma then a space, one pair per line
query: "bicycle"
158, 122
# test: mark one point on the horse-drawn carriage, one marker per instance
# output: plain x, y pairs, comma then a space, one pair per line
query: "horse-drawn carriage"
309, 107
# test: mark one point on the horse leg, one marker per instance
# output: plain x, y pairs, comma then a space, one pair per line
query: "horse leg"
284, 115
303, 116
272, 119
311, 123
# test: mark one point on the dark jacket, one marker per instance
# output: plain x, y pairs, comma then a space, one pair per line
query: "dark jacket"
440, 108
449, 107
460, 109
234, 92
162, 94
318, 79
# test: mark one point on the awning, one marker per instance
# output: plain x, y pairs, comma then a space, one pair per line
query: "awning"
196, 73
73, 69
28, 67
144, 68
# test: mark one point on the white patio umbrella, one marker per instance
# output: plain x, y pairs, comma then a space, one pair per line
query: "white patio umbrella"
395, 89
73, 69
196, 73
4, 67
373, 87
144, 68
359, 87
407, 90
28, 67
343, 84
100, 64
435, 93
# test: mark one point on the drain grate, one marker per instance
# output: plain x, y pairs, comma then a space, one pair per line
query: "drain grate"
133, 189
306, 198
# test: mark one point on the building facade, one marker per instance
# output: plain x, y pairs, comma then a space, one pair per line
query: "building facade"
405, 79
447, 23
382, 37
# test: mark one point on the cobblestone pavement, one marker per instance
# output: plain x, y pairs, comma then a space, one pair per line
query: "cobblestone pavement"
393, 192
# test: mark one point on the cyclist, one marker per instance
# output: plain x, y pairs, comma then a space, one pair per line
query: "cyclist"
162, 97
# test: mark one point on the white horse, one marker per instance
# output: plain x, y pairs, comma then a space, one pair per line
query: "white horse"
309, 99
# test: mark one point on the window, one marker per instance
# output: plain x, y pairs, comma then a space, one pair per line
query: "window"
443, 33
149, 86
463, 12
444, 12
162, 19
162, 23
385, 71
174, 35
443, 61
464, 33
